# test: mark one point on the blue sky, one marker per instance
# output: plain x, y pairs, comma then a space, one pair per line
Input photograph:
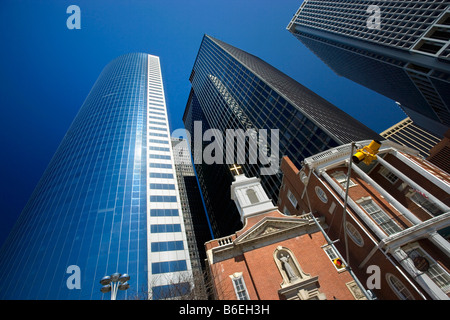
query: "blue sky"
47, 70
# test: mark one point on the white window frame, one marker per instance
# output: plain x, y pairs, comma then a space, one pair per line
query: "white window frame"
354, 234
398, 287
286, 211
388, 175
382, 219
331, 254
321, 194
292, 199
341, 178
424, 203
435, 271
239, 286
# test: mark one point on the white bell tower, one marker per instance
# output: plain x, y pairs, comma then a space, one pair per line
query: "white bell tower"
249, 195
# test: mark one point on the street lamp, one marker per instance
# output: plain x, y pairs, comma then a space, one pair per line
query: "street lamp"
114, 282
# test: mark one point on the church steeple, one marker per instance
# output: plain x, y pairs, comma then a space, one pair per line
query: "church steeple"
249, 195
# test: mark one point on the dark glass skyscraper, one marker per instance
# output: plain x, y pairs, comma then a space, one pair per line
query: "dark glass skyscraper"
400, 49
231, 90
107, 202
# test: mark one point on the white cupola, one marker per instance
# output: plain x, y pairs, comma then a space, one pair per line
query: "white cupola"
250, 197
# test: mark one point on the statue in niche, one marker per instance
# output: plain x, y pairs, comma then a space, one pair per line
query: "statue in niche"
287, 267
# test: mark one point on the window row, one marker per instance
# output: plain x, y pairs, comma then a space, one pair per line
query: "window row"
158, 141
159, 156
167, 246
163, 212
159, 149
163, 198
157, 128
169, 266
161, 165
161, 175
162, 186
170, 290
164, 228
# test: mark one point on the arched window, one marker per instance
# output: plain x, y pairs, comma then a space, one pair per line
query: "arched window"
398, 287
251, 194
354, 234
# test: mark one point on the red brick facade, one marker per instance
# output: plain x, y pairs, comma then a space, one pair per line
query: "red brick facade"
365, 253
255, 259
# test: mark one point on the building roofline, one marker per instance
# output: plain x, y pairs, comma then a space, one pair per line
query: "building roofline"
341, 153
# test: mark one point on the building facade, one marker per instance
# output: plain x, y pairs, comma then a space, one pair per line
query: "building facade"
234, 91
397, 48
195, 220
395, 231
275, 256
409, 134
108, 201
440, 153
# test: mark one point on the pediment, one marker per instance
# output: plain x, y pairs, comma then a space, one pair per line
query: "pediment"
270, 226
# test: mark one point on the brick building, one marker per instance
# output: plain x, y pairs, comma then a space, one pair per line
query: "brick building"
274, 256
440, 153
395, 236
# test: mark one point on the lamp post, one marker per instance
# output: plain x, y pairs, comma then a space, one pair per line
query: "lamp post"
114, 282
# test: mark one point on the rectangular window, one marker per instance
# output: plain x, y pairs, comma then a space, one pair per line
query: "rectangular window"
158, 113
157, 109
161, 165
163, 198
158, 123
155, 134
436, 273
167, 246
292, 198
169, 266
163, 212
426, 204
157, 128
159, 156
341, 178
162, 186
159, 149
157, 118
161, 175
392, 178
381, 218
331, 253
158, 141
169, 291
164, 228
240, 289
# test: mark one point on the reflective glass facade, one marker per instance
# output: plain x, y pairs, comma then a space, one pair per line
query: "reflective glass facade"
405, 58
93, 207
232, 89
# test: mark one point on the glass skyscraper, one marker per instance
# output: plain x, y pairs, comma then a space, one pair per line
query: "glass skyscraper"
232, 89
400, 49
108, 201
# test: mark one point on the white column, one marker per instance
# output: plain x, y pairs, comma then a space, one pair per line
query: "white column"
422, 279
440, 242
444, 185
360, 212
404, 211
413, 184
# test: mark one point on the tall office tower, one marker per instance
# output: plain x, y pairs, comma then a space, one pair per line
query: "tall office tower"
195, 221
409, 134
232, 90
397, 48
108, 201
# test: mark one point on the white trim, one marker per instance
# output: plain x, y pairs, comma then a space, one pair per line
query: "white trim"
235, 277
389, 277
